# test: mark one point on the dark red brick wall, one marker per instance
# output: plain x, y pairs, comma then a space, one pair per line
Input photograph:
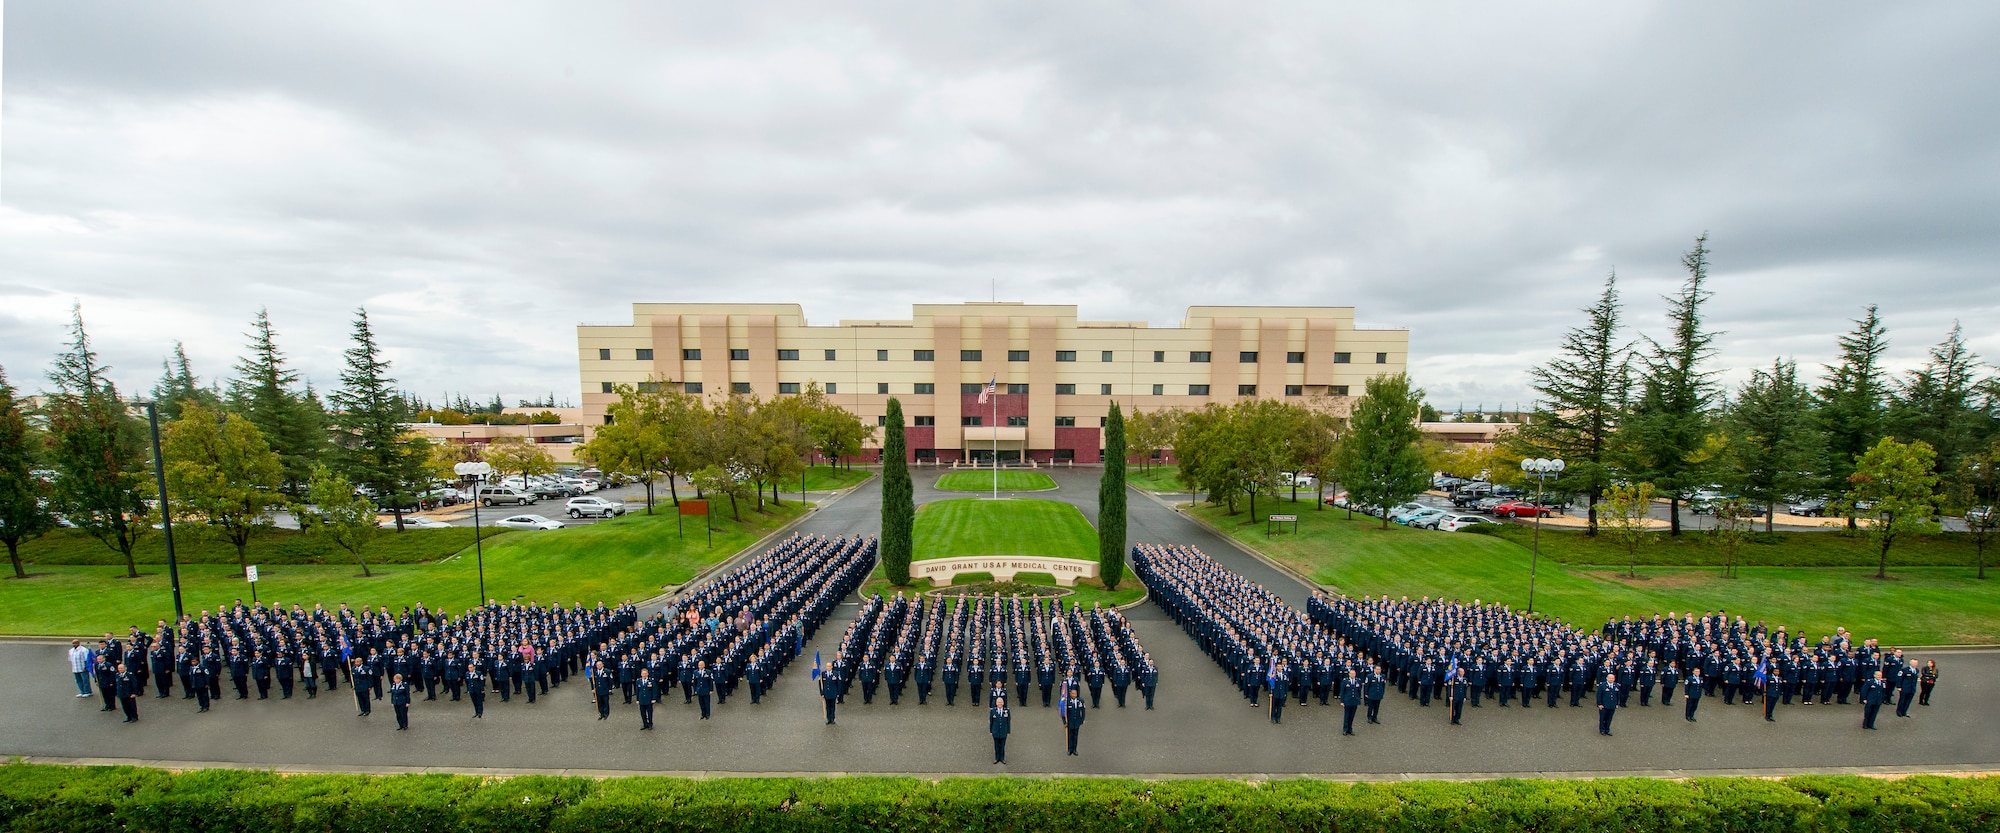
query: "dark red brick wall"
1084, 440
1009, 405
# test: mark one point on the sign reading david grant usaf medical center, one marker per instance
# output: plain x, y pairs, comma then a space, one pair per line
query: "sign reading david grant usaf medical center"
1004, 567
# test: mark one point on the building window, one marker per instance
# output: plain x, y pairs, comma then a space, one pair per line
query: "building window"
1065, 355
1197, 390
924, 387
1343, 358
788, 355
1246, 390
1065, 454
1065, 390
1107, 356
607, 387
882, 420
923, 355
1381, 358
969, 355
970, 387
832, 388
739, 355
1017, 422
691, 387
1103, 421
881, 387
788, 387
1017, 355
1247, 357
1104, 389
830, 354
1295, 390
1201, 356
925, 421
1017, 388
926, 453
739, 387
608, 419
691, 355
1339, 390
969, 421
644, 354
649, 387
1159, 390
1159, 356
1295, 358
604, 354
1065, 422
881, 355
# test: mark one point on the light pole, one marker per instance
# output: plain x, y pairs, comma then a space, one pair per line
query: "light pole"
166, 516
478, 472
1541, 470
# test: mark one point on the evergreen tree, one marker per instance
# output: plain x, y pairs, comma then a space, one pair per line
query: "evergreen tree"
374, 454
1111, 503
1851, 398
1774, 445
178, 385
99, 451
23, 515
1380, 461
1664, 438
899, 511
1938, 404
264, 392
1582, 403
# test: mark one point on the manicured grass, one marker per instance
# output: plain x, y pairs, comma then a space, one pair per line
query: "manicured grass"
982, 481
272, 546
830, 478
1773, 549
631, 557
1163, 478
948, 528
1920, 605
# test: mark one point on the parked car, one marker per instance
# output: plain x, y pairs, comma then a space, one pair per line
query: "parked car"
415, 523
594, 507
582, 486
1338, 499
496, 495
1401, 509
528, 522
1979, 515
1520, 509
1486, 504
1471, 493
1806, 508
1425, 518
1458, 522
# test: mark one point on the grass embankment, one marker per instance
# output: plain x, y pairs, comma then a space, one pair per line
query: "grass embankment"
1163, 478
631, 557
951, 528
1920, 605
832, 478
982, 481
270, 546
1774, 549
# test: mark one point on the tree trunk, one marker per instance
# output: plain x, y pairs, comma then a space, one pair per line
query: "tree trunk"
1770, 515
242, 559
1319, 495
397, 510
14, 555
131, 567
1590, 504
1674, 516
649, 496
778, 501
734, 510
363, 562
673, 490
1882, 565
1253, 504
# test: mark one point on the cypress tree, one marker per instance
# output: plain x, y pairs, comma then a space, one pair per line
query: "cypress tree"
899, 514
1111, 503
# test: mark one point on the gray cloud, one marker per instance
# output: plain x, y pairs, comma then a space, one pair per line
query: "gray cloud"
483, 179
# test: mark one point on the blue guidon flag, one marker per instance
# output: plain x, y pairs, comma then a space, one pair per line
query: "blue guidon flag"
816, 671
988, 390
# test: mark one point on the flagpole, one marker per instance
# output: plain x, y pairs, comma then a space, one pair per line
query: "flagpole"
994, 388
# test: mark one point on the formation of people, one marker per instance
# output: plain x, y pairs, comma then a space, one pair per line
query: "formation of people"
743, 627
1460, 654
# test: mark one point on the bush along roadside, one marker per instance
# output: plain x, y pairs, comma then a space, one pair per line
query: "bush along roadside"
52, 798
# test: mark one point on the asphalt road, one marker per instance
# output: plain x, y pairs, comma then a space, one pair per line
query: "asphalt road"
1201, 725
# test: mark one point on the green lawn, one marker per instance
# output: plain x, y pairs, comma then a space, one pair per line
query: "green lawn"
982, 481
272, 546
1921, 605
631, 557
969, 526
830, 478
1163, 478
1774, 549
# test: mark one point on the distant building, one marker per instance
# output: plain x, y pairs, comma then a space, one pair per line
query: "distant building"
1467, 433
559, 440
1055, 375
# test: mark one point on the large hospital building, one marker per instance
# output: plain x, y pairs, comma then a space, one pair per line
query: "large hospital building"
1056, 376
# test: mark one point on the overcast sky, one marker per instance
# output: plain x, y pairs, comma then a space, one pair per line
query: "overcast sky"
483, 177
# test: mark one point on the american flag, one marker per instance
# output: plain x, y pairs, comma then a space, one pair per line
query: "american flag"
988, 390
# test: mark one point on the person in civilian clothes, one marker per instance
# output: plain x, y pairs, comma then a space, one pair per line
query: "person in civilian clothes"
1927, 681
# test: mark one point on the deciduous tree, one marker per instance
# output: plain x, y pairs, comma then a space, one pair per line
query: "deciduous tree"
1898, 481
1627, 506
335, 510
1379, 461
221, 474
24, 512
515, 455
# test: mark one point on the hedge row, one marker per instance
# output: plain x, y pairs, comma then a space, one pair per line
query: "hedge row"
272, 546
49, 798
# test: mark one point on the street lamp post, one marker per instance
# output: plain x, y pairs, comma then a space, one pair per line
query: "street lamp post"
166, 516
1541, 470
478, 473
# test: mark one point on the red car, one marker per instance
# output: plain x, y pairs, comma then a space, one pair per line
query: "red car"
1520, 509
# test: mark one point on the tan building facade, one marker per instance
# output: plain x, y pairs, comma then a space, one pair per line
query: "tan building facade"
1055, 376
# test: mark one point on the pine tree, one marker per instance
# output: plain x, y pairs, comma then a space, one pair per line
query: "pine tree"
1582, 403
373, 453
1380, 461
1111, 503
99, 451
178, 385
899, 512
1664, 438
263, 392
1774, 445
23, 516
1938, 404
1851, 399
